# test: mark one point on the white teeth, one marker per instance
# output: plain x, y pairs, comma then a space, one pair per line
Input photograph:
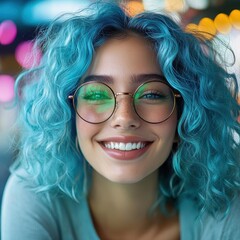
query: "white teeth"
129, 146
125, 146
122, 146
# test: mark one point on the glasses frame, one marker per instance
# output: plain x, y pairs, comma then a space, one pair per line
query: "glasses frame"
175, 95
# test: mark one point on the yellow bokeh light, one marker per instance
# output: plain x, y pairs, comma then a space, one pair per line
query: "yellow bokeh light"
222, 23
207, 28
235, 18
191, 28
134, 7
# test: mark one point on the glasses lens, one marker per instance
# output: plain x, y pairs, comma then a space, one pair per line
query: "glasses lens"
154, 102
94, 102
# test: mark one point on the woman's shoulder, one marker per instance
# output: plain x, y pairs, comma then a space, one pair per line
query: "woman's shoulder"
42, 215
26, 214
22, 190
20, 187
223, 225
207, 227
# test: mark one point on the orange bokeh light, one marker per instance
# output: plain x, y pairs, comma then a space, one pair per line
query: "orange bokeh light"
235, 18
191, 28
134, 7
207, 27
222, 23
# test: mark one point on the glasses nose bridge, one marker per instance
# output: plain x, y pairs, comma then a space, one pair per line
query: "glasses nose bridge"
123, 94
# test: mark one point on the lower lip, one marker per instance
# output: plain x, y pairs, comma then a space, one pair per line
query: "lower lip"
125, 155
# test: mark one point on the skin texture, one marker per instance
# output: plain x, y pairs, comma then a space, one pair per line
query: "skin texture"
130, 186
120, 59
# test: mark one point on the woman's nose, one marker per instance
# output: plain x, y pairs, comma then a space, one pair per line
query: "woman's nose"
124, 116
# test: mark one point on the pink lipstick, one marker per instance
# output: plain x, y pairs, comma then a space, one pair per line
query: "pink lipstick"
125, 148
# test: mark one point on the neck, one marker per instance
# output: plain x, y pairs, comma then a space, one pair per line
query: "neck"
119, 207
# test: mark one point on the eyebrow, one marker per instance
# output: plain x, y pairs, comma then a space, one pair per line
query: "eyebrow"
141, 78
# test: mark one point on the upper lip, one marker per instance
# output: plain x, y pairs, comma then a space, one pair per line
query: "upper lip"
125, 139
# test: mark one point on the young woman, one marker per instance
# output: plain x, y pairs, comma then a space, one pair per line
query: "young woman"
128, 131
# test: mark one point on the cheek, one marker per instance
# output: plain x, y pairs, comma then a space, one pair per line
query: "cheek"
85, 131
169, 127
80, 128
166, 132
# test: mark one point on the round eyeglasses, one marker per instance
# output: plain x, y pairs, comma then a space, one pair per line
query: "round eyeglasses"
153, 101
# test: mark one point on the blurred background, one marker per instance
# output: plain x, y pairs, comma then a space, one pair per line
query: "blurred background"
20, 21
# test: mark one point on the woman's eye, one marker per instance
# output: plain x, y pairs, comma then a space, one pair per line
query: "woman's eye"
96, 96
153, 95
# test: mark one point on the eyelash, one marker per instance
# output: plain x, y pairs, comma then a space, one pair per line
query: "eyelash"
92, 96
153, 93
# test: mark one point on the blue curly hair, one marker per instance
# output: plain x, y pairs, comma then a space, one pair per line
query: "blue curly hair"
204, 166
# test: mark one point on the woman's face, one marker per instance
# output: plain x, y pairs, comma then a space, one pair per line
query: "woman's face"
123, 61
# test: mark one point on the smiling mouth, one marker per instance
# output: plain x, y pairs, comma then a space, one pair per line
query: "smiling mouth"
129, 146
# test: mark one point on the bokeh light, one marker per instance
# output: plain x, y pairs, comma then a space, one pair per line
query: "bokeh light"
26, 55
153, 5
198, 4
207, 28
8, 32
235, 18
222, 23
6, 88
191, 28
174, 5
134, 8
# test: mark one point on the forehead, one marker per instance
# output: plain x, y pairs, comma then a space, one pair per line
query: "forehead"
130, 55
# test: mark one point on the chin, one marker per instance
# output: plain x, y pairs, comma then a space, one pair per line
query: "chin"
126, 179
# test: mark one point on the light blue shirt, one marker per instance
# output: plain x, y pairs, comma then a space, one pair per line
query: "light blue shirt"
27, 215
